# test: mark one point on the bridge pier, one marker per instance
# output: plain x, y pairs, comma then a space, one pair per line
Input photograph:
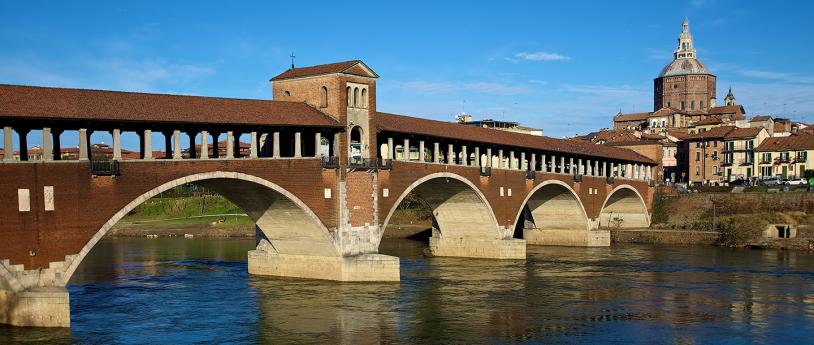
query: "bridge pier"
473, 247
39, 307
561, 237
357, 268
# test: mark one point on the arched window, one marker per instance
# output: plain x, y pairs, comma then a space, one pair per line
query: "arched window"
324, 97
692, 105
349, 99
664, 123
356, 142
356, 97
364, 98
682, 105
287, 94
701, 105
654, 123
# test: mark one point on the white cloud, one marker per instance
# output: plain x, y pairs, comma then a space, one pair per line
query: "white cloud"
541, 82
539, 56
788, 77
624, 91
146, 75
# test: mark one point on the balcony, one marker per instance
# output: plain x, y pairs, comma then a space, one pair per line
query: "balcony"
741, 147
486, 171
370, 163
330, 163
781, 160
104, 168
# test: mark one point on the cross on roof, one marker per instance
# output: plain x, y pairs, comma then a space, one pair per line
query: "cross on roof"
292, 60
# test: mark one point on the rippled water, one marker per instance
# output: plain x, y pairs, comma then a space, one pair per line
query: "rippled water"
176, 290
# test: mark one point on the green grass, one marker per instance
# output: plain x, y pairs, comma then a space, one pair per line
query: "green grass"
169, 208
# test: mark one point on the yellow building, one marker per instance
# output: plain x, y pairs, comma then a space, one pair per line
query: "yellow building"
786, 157
739, 152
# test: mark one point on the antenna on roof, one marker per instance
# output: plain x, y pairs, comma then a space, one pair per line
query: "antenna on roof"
292, 60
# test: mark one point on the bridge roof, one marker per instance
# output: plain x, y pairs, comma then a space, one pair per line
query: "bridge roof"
337, 67
448, 130
40, 103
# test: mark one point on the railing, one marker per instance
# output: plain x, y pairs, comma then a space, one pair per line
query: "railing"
370, 163
765, 161
330, 163
530, 175
486, 171
104, 167
782, 159
730, 148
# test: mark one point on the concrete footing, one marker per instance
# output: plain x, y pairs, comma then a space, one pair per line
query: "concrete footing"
40, 307
357, 268
576, 238
512, 248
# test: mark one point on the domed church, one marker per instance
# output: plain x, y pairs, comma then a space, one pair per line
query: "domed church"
683, 95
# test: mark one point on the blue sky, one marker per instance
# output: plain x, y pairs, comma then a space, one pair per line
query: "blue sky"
566, 67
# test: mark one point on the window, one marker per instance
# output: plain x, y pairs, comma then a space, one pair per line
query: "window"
692, 105
750, 145
682, 105
715, 170
287, 94
364, 98
324, 97
664, 123
715, 143
714, 153
356, 97
697, 144
701, 105
767, 157
698, 170
697, 156
349, 96
668, 104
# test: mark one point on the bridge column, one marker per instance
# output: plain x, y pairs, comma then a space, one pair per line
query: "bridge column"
596, 168
8, 145
562, 165
317, 144
421, 151
580, 168
148, 144
451, 154
478, 162
500, 159
390, 150
651, 173
276, 143
176, 144
204, 145
406, 150
47, 153
297, 144
191, 136
533, 162
261, 143
464, 156
543, 168
489, 157
511, 161
117, 143
83, 145
436, 154
571, 165
56, 133
230, 145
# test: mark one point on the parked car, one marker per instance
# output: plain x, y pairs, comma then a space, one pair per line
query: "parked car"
796, 182
738, 182
769, 182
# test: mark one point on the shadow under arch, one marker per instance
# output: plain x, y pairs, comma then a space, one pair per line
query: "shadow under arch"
626, 202
555, 206
459, 208
287, 222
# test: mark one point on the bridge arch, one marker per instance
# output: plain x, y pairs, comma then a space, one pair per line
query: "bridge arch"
555, 206
626, 202
275, 210
458, 207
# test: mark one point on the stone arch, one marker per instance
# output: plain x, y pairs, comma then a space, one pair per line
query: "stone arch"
275, 211
356, 143
555, 206
626, 202
459, 208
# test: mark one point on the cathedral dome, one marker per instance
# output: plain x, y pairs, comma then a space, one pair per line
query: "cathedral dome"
683, 67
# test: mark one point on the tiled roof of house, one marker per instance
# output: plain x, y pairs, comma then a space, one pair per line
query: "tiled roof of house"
32, 102
712, 120
787, 143
667, 111
678, 134
613, 135
727, 109
413, 125
631, 117
761, 118
641, 143
717, 132
743, 132
338, 67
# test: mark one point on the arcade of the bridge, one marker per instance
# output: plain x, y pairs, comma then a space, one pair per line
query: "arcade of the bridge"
550, 162
261, 146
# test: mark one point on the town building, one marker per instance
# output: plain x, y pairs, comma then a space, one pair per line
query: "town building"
739, 152
785, 157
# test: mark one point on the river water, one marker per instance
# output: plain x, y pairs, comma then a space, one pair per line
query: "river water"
177, 290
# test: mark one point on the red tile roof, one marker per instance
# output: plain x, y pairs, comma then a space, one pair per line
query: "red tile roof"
712, 120
761, 118
31, 102
338, 67
787, 143
744, 132
667, 111
727, 109
413, 125
631, 117
717, 132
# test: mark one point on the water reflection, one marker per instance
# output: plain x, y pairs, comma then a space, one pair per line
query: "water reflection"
175, 290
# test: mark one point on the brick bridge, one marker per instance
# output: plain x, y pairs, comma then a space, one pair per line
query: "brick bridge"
322, 177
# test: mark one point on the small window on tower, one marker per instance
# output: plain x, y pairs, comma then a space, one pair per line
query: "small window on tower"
692, 105
682, 105
701, 105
